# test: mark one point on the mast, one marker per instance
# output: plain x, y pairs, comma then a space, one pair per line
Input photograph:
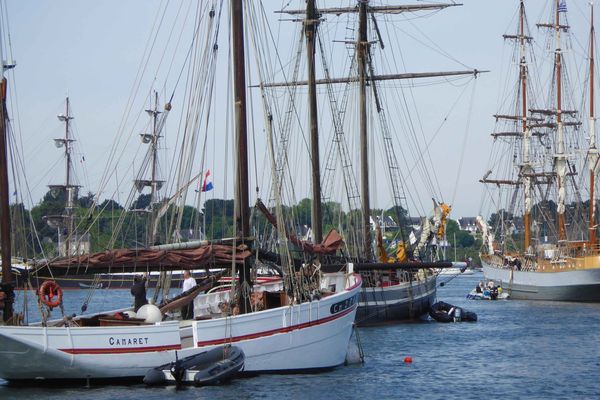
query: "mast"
592, 151
69, 188
362, 48
5, 230
524, 129
242, 211
560, 162
154, 183
310, 30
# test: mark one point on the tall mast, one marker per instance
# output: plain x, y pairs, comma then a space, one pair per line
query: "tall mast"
362, 48
310, 30
5, 242
524, 128
560, 162
592, 151
242, 211
154, 113
69, 187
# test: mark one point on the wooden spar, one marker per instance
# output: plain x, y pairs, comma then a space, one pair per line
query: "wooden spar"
516, 118
153, 187
594, 158
406, 266
551, 112
310, 30
68, 187
362, 47
397, 9
242, 210
388, 77
560, 152
524, 128
7, 277
500, 182
516, 134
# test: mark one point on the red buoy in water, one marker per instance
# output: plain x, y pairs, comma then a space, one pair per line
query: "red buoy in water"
408, 359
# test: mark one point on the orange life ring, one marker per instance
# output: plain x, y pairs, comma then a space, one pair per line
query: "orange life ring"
50, 294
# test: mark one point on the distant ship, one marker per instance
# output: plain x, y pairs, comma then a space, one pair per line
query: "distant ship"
550, 166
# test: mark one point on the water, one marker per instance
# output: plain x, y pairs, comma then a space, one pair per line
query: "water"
517, 349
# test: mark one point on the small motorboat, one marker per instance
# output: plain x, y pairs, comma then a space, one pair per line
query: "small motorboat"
487, 295
487, 291
212, 367
445, 312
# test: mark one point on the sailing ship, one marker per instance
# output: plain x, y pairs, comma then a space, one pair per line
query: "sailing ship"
293, 330
400, 286
559, 257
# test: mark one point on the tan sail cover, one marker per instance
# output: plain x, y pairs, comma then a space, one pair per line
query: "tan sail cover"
143, 259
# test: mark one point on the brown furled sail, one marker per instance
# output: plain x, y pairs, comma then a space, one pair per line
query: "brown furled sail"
332, 242
132, 260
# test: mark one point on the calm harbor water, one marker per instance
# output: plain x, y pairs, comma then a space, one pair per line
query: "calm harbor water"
517, 349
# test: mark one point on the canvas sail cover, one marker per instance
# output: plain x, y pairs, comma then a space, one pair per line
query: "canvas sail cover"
131, 260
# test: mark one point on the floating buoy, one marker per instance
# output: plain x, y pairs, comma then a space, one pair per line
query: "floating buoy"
408, 359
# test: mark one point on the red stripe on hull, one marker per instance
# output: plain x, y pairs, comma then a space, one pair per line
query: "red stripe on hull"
276, 331
123, 350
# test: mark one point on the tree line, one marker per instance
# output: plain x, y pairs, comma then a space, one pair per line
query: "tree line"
33, 237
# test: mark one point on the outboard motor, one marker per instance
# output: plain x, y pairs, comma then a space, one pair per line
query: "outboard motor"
457, 314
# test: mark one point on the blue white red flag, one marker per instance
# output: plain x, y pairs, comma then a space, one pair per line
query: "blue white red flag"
207, 184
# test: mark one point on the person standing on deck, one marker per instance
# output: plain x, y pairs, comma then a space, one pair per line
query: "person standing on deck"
138, 291
187, 311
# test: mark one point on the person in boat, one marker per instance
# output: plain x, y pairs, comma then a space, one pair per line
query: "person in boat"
187, 311
479, 288
138, 291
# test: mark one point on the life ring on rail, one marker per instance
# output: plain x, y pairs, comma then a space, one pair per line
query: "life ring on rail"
50, 294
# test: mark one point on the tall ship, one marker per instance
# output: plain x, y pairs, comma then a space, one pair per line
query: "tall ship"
398, 274
540, 242
303, 324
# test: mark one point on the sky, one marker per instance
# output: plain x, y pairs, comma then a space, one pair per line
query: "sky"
93, 52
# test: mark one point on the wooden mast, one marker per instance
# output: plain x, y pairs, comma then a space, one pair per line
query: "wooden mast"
310, 30
154, 183
362, 48
68, 186
526, 134
560, 157
592, 152
5, 230
242, 210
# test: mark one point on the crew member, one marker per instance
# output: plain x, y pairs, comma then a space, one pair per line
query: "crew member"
138, 291
187, 311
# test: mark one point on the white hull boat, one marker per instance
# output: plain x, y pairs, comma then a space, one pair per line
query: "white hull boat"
309, 336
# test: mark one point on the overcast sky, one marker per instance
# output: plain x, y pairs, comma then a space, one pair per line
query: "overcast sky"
92, 51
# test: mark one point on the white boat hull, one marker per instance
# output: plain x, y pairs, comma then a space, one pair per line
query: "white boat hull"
572, 285
309, 336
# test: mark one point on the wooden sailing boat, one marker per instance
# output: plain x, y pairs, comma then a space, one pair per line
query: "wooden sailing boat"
397, 290
287, 335
557, 259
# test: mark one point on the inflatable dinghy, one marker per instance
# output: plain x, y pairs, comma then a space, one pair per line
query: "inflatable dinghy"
212, 367
444, 312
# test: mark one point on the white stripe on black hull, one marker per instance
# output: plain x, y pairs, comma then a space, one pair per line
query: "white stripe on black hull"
396, 303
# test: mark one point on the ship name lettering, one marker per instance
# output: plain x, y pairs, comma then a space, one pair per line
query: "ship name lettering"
116, 341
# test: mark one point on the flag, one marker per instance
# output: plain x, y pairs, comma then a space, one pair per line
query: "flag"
562, 7
207, 185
